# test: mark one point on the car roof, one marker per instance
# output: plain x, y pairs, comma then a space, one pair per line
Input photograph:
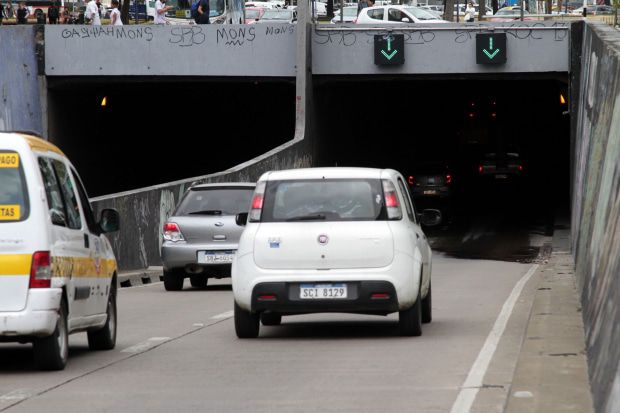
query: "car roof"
249, 185
326, 173
35, 143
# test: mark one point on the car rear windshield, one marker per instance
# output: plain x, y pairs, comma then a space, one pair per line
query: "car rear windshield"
323, 200
215, 201
14, 204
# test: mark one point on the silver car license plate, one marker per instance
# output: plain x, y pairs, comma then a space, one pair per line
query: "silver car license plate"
215, 257
322, 291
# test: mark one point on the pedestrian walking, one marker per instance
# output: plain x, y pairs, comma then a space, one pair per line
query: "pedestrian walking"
53, 12
22, 13
361, 4
92, 13
9, 12
470, 12
202, 13
160, 12
115, 14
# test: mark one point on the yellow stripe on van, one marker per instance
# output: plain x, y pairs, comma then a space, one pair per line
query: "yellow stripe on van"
18, 264
41, 145
9, 160
10, 213
83, 267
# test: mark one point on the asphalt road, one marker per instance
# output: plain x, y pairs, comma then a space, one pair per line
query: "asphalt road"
177, 351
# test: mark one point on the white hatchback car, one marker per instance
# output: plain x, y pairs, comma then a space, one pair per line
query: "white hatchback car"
397, 15
332, 240
57, 269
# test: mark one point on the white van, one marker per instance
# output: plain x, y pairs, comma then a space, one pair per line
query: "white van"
57, 269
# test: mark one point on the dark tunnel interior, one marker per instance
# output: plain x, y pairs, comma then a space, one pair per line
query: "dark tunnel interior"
150, 132
498, 150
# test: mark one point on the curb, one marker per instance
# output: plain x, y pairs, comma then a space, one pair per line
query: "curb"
144, 276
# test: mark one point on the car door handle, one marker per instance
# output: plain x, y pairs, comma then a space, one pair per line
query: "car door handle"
219, 238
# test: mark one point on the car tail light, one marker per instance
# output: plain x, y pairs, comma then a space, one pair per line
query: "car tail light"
267, 297
520, 168
391, 201
448, 179
379, 296
257, 202
481, 169
172, 232
41, 270
493, 114
411, 180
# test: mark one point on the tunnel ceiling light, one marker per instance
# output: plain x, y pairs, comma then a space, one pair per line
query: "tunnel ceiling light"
562, 99
104, 102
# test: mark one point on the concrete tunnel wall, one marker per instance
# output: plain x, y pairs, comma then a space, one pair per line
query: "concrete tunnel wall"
20, 94
596, 210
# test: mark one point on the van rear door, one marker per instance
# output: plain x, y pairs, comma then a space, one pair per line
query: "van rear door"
15, 258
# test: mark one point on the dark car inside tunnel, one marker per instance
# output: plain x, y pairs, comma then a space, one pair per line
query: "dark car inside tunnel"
127, 134
492, 155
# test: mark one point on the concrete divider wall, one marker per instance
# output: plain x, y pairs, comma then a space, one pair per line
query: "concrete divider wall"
596, 210
144, 212
20, 100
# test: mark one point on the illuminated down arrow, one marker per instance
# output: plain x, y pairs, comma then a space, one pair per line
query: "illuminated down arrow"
490, 55
389, 56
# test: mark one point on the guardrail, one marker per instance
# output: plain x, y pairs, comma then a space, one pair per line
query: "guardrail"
405, 28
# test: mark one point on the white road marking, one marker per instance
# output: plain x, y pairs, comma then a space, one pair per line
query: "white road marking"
222, 316
198, 325
145, 345
15, 395
469, 389
523, 394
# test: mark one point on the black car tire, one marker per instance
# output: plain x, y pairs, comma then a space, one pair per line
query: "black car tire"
199, 281
271, 319
427, 306
247, 325
410, 320
105, 338
173, 281
52, 352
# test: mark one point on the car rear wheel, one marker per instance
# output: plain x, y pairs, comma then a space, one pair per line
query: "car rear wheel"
246, 324
52, 352
173, 281
410, 320
105, 338
427, 309
270, 319
199, 281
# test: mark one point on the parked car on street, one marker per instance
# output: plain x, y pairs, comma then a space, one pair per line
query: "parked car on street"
253, 14
508, 14
332, 240
396, 15
58, 274
349, 16
501, 166
594, 10
201, 237
278, 16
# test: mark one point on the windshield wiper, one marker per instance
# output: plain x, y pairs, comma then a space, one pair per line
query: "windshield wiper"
311, 217
207, 212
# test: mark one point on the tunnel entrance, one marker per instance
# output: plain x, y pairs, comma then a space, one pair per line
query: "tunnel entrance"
152, 131
497, 152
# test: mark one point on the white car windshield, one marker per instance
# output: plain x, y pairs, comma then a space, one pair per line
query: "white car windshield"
421, 13
277, 15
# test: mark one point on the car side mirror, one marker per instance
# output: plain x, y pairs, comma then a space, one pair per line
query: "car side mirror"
110, 221
58, 218
430, 217
241, 219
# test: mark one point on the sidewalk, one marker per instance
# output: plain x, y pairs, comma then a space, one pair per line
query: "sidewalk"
140, 277
551, 374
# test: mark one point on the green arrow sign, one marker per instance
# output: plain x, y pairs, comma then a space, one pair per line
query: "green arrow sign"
491, 48
489, 54
389, 56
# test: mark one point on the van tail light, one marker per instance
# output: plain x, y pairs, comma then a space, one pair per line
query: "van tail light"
257, 203
411, 180
41, 270
481, 169
172, 232
391, 201
520, 168
448, 179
